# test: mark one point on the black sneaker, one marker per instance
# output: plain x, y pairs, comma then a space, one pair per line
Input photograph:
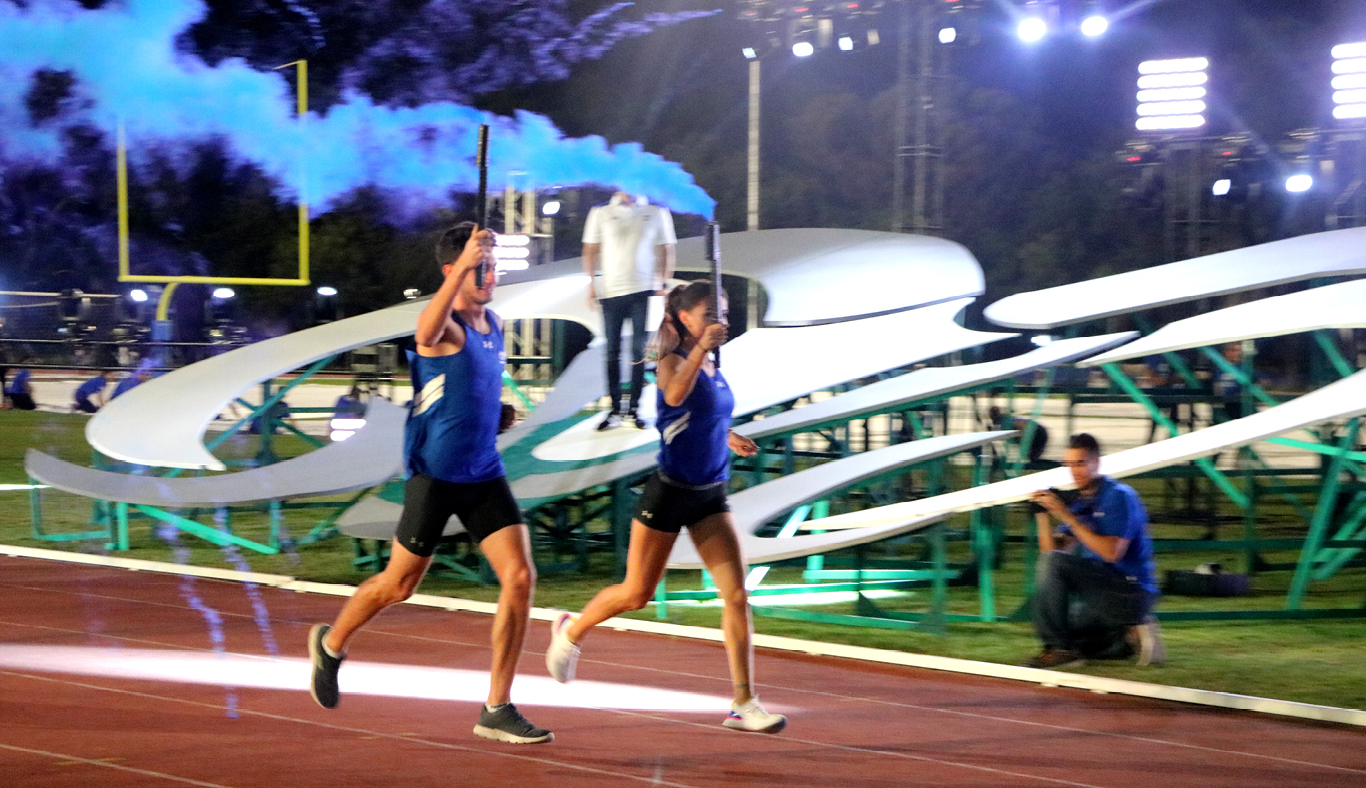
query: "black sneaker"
323, 687
1056, 658
633, 418
610, 422
507, 724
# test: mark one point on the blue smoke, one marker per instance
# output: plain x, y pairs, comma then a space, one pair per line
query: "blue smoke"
128, 70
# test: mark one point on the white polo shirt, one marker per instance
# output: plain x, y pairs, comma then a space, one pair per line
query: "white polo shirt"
629, 236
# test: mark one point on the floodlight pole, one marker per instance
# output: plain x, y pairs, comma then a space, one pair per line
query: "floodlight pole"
917, 95
752, 218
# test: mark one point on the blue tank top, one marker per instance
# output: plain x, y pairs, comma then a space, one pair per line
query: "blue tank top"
692, 436
452, 428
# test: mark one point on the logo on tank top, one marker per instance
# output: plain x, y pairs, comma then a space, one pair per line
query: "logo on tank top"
433, 391
488, 344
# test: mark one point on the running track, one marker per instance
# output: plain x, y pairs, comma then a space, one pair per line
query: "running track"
851, 723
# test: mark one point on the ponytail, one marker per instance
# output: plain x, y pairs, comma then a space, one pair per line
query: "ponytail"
671, 329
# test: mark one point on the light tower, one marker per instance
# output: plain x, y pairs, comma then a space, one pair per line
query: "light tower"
1171, 106
1346, 141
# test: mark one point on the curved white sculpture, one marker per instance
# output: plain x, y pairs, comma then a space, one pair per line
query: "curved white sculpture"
1345, 398
1334, 306
1335, 253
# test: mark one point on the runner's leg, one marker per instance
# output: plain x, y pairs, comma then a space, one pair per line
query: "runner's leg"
396, 583
508, 551
645, 562
720, 550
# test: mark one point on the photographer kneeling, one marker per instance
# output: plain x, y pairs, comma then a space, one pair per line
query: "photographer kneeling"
1095, 586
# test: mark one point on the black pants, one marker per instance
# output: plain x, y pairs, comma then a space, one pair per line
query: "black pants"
1080, 604
615, 311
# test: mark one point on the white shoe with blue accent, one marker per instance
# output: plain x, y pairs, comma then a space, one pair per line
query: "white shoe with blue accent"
562, 658
750, 716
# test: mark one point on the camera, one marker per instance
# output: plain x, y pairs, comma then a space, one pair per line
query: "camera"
1067, 496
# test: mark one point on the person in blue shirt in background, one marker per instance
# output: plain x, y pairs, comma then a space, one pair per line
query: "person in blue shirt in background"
93, 388
1096, 572
20, 391
140, 375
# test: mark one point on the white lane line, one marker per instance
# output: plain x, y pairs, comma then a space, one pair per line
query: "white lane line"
837, 696
1121, 736
92, 762
651, 779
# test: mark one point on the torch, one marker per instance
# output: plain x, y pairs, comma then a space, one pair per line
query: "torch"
482, 200
714, 258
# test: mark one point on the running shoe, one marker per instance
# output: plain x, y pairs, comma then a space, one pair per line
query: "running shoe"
505, 723
323, 686
1056, 658
635, 419
610, 422
750, 716
562, 658
1147, 641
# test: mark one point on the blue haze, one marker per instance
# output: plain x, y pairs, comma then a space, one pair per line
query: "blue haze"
128, 69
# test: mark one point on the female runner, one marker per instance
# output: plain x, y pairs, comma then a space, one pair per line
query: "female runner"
688, 490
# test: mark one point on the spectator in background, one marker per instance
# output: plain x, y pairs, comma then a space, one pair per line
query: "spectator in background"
351, 404
92, 389
140, 375
1038, 441
19, 392
1226, 386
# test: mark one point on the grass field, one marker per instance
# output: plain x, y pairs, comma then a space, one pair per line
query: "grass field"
1312, 661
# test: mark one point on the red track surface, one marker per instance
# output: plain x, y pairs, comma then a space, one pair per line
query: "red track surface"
851, 723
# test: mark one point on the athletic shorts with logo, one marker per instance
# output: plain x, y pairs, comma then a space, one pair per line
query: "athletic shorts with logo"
428, 503
669, 506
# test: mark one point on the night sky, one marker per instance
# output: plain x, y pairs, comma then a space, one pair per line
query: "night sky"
1269, 73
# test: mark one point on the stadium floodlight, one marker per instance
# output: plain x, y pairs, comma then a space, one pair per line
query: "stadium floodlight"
1221, 187
1171, 108
327, 292
948, 35
1299, 183
1169, 122
1349, 84
803, 49
1177, 65
846, 43
1171, 94
1094, 26
223, 293
138, 295
551, 207
1032, 29
749, 53
1187, 79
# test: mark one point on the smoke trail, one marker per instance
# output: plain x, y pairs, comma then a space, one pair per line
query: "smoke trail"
258, 605
126, 68
212, 618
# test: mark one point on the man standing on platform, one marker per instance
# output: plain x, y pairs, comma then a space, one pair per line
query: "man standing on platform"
1095, 585
453, 468
635, 243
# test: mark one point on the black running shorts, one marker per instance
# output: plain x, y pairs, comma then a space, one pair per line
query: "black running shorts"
483, 507
669, 506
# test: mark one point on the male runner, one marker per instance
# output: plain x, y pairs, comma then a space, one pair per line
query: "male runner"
453, 468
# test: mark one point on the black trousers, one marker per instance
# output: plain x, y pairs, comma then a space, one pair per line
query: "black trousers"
1077, 600
615, 312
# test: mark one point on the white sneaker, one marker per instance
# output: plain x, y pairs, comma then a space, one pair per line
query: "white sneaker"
750, 716
562, 658
1149, 646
